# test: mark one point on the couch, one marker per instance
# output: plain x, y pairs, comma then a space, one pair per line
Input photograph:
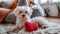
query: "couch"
10, 17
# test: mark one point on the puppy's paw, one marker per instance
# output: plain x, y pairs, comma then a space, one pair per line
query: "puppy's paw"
45, 26
9, 31
13, 30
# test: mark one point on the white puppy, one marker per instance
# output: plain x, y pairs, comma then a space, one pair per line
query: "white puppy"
22, 14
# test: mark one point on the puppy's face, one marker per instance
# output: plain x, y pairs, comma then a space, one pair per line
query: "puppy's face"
23, 13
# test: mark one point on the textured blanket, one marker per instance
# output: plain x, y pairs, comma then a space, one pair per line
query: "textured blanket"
51, 29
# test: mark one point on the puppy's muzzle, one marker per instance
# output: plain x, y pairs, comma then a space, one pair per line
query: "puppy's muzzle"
23, 16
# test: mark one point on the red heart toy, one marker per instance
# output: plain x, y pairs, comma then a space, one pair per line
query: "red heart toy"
31, 26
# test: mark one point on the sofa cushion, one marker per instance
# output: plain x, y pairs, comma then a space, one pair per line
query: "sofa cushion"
11, 4
14, 4
3, 13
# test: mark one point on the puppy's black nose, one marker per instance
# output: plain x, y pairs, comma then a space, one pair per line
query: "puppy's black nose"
23, 15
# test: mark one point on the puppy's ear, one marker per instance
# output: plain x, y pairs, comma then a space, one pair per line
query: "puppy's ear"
15, 12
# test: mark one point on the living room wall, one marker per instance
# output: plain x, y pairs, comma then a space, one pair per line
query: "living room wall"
53, 8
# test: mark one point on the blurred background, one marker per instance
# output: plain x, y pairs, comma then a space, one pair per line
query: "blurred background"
48, 8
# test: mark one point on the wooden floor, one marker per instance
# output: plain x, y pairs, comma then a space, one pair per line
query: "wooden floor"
58, 16
54, 20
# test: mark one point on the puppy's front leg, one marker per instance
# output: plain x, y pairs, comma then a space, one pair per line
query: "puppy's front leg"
14, 29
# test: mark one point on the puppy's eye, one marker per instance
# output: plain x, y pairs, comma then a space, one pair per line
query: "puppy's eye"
20, 12
26, 12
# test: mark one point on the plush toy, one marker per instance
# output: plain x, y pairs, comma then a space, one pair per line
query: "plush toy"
31, 26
